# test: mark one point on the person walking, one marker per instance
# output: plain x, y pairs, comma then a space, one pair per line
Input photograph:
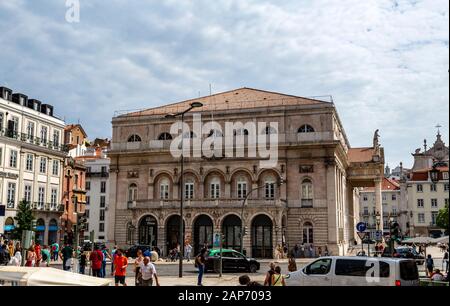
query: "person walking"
137, 266
267, 280
148, 272
319, 250
11, 248
292, 265
4, 255
45, 254
66, 255
55, 251
113, 252
277, 278
445, 261
120, 264
83, 262
105, 256
96, 259
187, 251
37, 249
430, 265
31, 257
200, 264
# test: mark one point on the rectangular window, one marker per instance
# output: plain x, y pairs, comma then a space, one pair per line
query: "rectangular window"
446, 201
88, 185
446, 186
86, 228
102, 215
384, 196
75, 181
30, 131
419, 188
270, 191
241, 189
394, 197
41, 197
433, 187
421, 217
420, 203
43, 165
366, 210
189, 190
102, 201
359, 268
215, 190
54, 198
365, 198
13, 159
27, 193
101, 227
29, 165
88, 200
1, 155
11, 197
44, 132
103, 187
445, 175
86, 213
104, 170
434, 203
55, 139
164, 191
434, 215
55, 168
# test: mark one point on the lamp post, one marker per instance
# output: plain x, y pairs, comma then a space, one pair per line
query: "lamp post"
75, 230
280, 182
192, 106
378, 220
391, 240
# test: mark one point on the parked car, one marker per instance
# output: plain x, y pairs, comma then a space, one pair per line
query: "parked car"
132, 251
405, 252
232, 261
356, 271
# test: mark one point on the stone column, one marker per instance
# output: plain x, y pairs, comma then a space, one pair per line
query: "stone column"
111, 213
151, 194
378, 204
227, 190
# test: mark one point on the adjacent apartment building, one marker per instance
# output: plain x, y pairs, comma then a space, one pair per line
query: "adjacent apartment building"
32, 156
309, 196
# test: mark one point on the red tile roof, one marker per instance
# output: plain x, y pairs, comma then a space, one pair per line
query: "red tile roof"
360, 155
386, 185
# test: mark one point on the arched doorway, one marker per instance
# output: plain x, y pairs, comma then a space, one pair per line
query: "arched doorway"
203, 233
173, 232
148, 231
9, 227
262, 237
52, 231
231, 229
40, 231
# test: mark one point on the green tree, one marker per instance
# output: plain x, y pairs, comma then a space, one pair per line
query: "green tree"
442, 218
24, 218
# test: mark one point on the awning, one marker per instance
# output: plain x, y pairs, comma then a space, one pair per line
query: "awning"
9, 228
40, 228
53, 228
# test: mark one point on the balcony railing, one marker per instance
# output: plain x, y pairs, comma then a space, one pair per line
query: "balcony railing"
97, 174
306, 203
47, 207
33, 140
207, 203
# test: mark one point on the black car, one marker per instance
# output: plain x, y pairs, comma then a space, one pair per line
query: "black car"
132, 251
232, 261
404, 252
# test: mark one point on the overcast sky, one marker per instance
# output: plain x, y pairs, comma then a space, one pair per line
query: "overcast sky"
385, 62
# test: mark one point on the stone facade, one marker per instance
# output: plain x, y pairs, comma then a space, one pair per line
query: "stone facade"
309, 197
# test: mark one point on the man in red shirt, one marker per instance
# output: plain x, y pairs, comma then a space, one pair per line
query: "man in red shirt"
96, 259
120, 265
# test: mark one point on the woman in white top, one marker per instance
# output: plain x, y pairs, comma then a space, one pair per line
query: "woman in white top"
16, 260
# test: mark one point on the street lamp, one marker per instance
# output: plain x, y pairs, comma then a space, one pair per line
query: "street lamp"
279, 183
192, 106
391, 240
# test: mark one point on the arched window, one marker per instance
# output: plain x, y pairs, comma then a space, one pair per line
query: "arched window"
134, 138
165, 136
164, 189
269, 188
305, 129
241, 187
132, 192
307, 193
214, 188
308, 233
269, 130
189, 189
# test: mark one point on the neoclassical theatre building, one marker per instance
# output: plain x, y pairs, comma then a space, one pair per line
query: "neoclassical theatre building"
309, 196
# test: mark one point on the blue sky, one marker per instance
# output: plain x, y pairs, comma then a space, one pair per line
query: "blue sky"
384, 62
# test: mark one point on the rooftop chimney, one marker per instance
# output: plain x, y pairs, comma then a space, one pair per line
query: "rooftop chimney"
6, 93
20, 99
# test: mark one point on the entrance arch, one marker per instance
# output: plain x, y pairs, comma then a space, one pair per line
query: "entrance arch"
231, 229
203, 233
148, 231
40, 231
52, 231
9, 227
262, 231
173, 232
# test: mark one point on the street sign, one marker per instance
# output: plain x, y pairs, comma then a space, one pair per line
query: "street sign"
362, 235
361, 226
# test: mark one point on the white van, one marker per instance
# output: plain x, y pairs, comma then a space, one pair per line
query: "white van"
356, 271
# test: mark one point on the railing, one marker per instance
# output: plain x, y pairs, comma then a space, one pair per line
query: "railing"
33, 140
97, 174
207, 203
307, 203
48, 207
